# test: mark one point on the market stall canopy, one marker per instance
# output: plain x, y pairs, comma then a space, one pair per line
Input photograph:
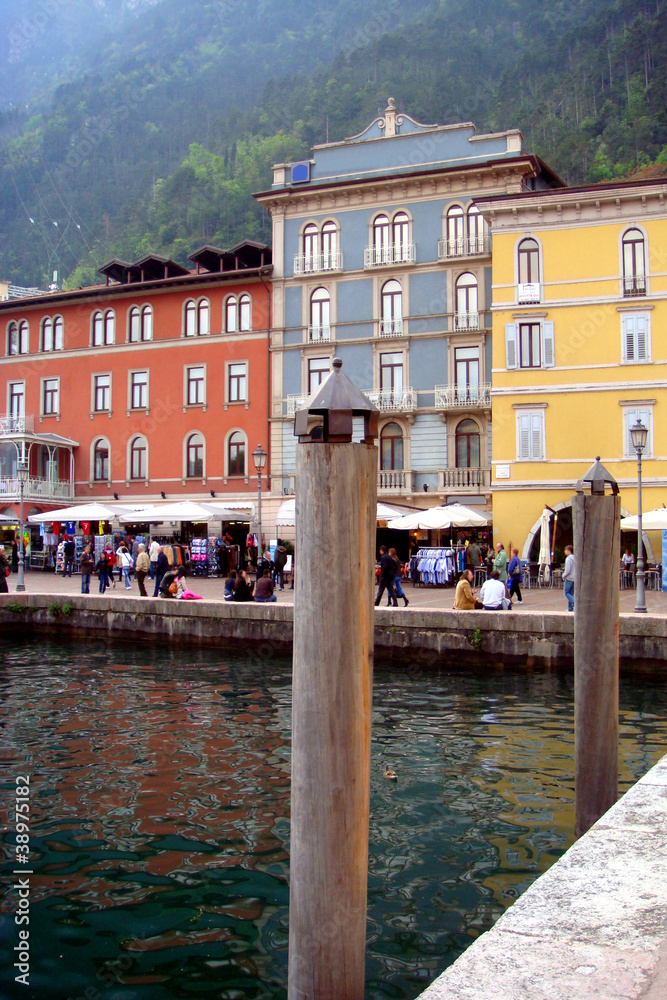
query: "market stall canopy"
652, 520
4, 519
183, 510
453, 515
83, 512
287, 513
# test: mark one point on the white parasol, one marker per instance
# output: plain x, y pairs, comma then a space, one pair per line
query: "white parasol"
545, 545
453, 515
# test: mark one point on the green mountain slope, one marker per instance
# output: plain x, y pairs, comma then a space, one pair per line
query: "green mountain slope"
161, 147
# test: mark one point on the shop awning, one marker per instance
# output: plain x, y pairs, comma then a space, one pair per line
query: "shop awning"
287, 513
183, 510
453, 515
83, 512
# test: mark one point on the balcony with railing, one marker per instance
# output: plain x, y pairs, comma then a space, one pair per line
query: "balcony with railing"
391, 327
36, 488
466, 321
470, 480
529, 293
12, 424
393, 400
319, 334
463, 397
464, 246
294, 402
317, 263
634, 285
384, 255
396, 481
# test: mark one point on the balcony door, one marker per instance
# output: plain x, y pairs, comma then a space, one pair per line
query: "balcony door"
391, 448
467, 445
466, 360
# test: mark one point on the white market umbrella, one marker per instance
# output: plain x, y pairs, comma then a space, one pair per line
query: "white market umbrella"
82, 512
4, 519
453, 515
286, 515
181, 510
545, 545
652, 520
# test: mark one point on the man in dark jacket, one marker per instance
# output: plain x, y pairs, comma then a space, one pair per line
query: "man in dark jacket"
161, 567
387, 572
68, 551
279, 561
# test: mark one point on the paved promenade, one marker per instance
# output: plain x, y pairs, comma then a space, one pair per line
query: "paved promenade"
436, 598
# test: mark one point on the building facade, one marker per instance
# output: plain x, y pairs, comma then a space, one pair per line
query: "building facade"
382, 259
153, 385
579, 349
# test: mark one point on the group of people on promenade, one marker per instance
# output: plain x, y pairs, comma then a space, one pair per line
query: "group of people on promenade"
270, 574
504, 583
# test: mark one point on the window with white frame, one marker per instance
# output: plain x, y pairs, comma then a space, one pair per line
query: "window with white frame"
50, 396
467, 443
329, 245
391, 322
455, 232
231, 314
197, 318
51, 334
635, 337
311, 246
195, 385
530, 344
467, 314
391, 372
139, 390
634, 262
475, 230
381, 239
320, 315
16, 399
101, 461
530, 434
104, 327
138, 458
140, 324
236, 382
245, 317
466, 367
194, 456
318, 370
236, 449
528, 269
632, 412
101, 393
17, 337
391, 447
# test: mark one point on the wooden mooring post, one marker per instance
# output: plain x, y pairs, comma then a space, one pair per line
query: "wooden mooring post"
597, 561
336, 503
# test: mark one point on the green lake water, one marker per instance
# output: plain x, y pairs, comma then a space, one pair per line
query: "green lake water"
159, 824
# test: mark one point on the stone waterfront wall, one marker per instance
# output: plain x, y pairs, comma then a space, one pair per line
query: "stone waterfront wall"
418, 638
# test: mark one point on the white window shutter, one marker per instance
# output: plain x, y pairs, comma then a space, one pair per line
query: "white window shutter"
536, 436
524, 435
510, 345
629, 353
548, 345
641, 334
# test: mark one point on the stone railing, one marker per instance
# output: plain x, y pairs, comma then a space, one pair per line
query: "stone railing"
465, 479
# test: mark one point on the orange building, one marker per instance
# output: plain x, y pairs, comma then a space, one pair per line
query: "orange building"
155, 384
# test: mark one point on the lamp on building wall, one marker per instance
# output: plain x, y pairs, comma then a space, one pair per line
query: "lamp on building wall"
116, 497
259, 457
212, 492
163, 495
639, 435
22, 474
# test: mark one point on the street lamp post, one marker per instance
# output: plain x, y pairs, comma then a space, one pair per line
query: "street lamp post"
22, 474
639, 434
259, 457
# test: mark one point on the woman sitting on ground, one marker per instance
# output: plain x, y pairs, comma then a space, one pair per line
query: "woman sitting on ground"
229, 585
242, 589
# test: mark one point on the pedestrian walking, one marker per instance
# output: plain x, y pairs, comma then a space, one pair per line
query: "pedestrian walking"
387, 574
86, 569
161, 567
515, 572
4, 571
152, 556
397, 579
69, 549
500, 562
125, 566
103, 569
279, 562
568, 577
142, 568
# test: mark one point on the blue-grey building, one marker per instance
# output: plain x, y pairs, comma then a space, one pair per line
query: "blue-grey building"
381, 258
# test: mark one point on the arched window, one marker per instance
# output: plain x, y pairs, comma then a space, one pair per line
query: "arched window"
245, 319
467, 316
400, 230
47, 334
391, 447
194, 458
311, 247
58, 333
634, 266
329, 246
101, 461
231, 312
391, 321
320, 307
104, 327
17, 337
236, 454
455, 232
467, 445
138, 458
197, 318
475, 230
529, 262
141, 324
381, 248
203, 317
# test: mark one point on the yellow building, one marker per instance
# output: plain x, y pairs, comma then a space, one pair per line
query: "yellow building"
579, 349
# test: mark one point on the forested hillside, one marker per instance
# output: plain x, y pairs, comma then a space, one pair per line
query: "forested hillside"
160, 143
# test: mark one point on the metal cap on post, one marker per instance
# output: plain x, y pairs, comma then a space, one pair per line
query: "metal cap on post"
338, 401
598, 477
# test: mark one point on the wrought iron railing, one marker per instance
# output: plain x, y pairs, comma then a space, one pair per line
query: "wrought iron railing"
464, 246
317, 262
452, 397
390, 253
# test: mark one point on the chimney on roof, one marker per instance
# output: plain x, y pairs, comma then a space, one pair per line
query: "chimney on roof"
390, 116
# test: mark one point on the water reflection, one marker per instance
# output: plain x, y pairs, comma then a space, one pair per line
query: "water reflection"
160, 815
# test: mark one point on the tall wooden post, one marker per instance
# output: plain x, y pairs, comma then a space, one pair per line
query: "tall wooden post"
597, 555
336, 503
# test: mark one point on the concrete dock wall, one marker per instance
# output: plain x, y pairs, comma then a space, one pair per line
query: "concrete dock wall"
425, 638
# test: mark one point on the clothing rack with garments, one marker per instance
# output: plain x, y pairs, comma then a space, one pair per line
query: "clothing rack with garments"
199, 556
433, 567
